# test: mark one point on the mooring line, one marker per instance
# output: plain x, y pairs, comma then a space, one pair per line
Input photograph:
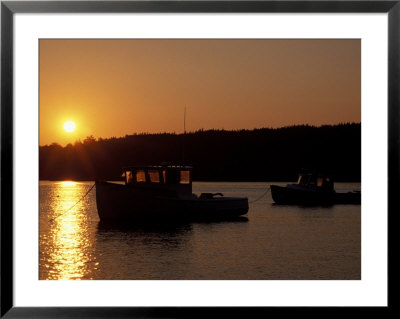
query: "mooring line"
265, 193
51, 219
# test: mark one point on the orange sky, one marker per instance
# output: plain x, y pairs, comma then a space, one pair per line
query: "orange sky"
118, 87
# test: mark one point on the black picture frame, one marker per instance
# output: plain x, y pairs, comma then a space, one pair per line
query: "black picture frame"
9, 8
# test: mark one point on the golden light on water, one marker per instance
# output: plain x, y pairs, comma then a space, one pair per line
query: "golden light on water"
69, 255
68, 183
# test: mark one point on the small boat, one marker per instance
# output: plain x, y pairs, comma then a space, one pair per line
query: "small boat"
313, 189
153, 193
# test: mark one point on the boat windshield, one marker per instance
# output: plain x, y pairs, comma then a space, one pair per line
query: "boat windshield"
319, 181
156, 176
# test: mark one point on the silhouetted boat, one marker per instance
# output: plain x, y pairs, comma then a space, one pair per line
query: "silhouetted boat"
163, 193
312, 189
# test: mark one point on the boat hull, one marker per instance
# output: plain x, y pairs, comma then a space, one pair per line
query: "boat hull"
295, 196
120, 202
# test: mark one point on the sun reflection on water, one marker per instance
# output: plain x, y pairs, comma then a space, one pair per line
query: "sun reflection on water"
68, 183
68, 254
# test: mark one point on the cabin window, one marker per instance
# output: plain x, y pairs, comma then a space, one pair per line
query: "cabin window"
320, 181
140, 176
128, 177
154, 176
184, 177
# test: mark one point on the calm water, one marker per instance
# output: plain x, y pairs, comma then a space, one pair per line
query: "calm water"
275, 242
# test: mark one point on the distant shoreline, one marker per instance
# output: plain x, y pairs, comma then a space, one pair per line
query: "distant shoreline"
202, 131
215, 155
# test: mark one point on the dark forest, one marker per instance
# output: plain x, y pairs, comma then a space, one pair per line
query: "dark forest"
216, 155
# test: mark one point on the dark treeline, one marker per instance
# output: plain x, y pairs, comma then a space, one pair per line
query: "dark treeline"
216, 155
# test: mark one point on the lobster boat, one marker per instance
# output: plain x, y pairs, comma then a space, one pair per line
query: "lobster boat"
152, 193
313, 189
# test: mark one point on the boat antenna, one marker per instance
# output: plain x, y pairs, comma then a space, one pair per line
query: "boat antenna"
184, 133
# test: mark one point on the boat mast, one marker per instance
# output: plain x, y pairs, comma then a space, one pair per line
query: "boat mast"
184, 133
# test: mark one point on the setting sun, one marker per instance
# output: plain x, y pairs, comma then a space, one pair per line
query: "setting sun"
69, 126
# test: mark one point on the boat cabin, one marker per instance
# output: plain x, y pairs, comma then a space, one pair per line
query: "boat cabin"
168, 177
316, 181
